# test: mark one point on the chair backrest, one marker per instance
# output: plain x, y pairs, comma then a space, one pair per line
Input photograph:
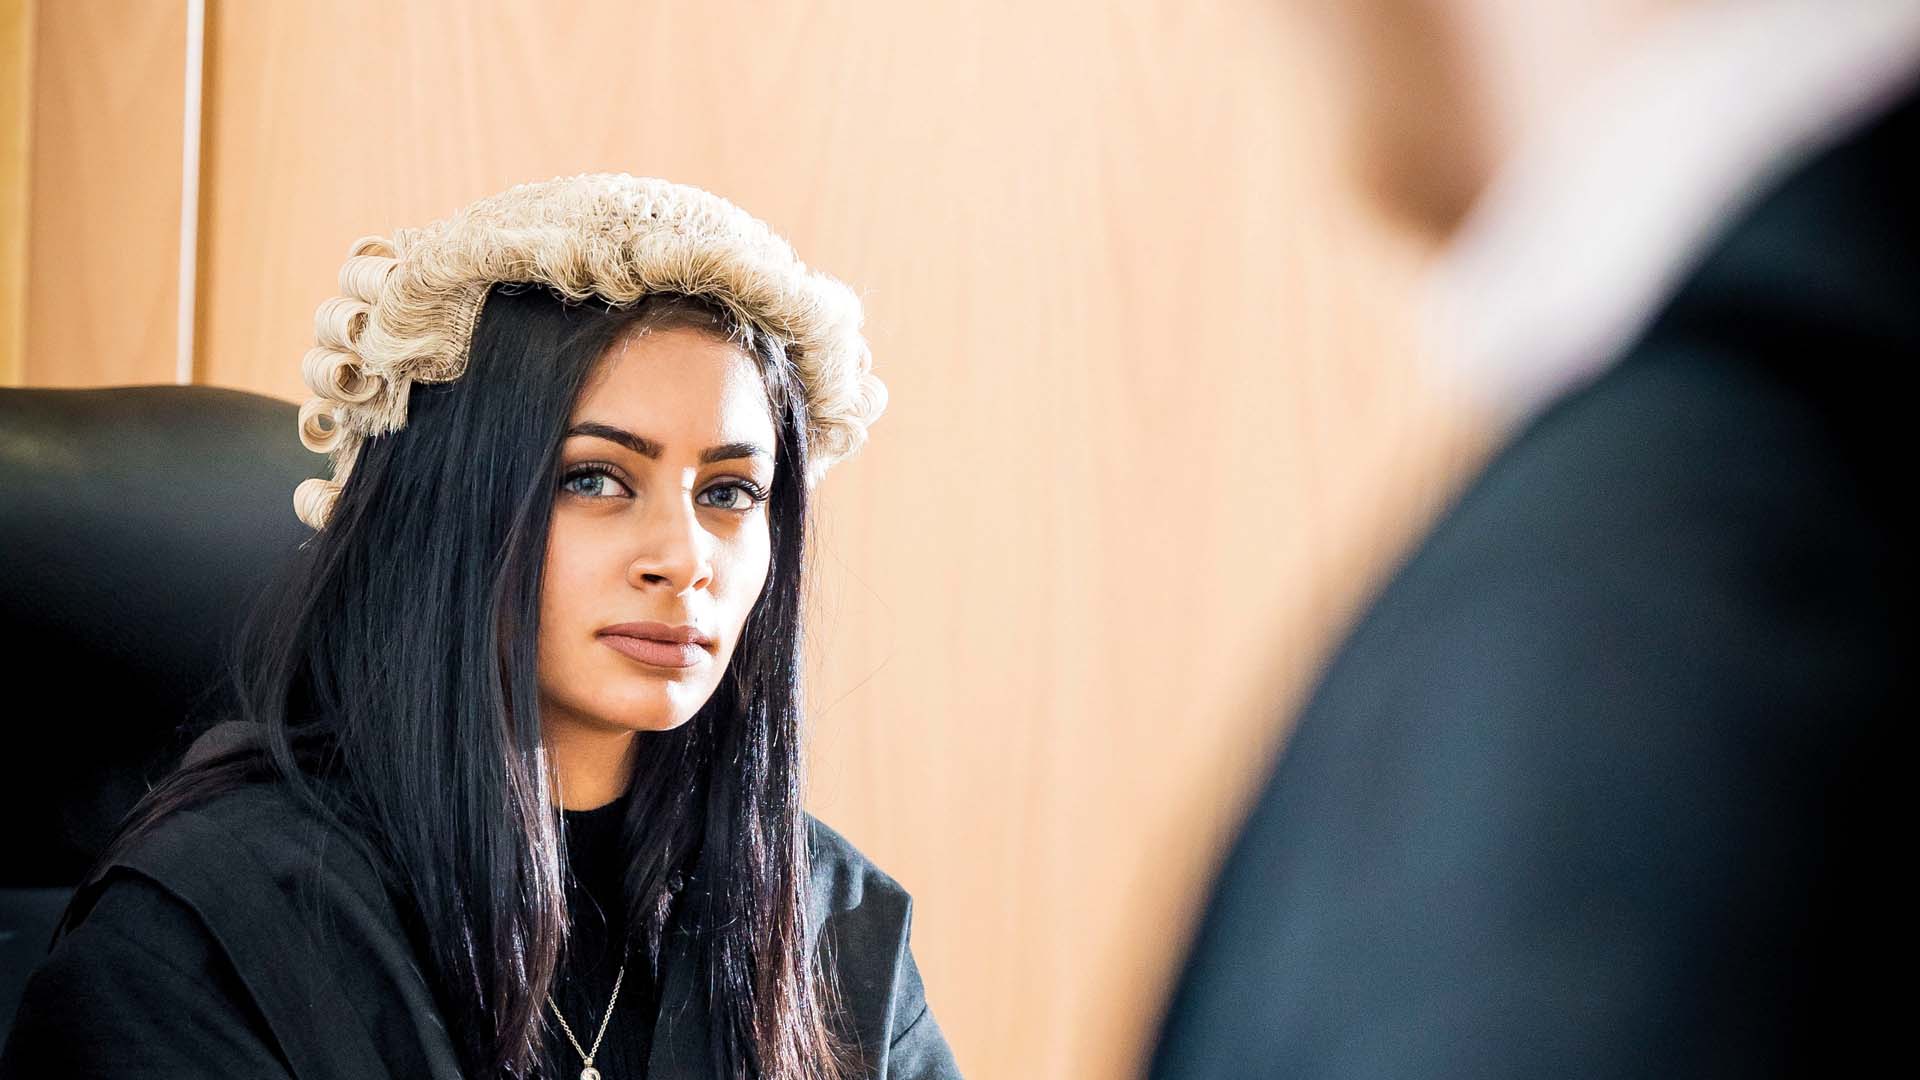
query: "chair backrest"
136, 524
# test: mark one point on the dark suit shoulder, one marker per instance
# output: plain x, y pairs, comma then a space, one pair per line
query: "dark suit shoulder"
863, 919
262, 834
1567, 782
267, 815
308, 922
162, 997
845, 880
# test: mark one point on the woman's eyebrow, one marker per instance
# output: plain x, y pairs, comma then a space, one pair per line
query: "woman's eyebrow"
734, 450
647, 448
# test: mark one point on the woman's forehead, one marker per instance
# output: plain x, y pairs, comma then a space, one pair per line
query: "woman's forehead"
680, 388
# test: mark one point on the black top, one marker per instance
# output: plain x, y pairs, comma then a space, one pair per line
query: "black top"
1604, 784
241, 939
594, 957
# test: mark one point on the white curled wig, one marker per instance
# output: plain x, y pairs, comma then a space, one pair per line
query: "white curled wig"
410, 304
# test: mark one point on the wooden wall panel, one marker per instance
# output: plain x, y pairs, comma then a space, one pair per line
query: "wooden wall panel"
16, 127
103, 249
1156, 424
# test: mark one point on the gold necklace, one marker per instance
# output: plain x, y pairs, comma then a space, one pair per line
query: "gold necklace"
587, 1071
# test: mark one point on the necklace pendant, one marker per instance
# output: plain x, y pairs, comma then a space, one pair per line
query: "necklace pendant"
589, 1073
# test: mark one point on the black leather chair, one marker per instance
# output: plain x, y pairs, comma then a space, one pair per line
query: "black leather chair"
136, 524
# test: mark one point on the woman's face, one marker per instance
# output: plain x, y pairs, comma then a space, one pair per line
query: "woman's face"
659, 543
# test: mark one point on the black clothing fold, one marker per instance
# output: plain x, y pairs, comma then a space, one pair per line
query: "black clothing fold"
246, 938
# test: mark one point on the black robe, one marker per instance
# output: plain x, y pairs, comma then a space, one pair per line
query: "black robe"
243, 939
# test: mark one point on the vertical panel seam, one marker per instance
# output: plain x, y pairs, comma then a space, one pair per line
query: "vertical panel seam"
190, 117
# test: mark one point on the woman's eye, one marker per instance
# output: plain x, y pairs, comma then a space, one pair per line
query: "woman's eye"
592, 484
732, 496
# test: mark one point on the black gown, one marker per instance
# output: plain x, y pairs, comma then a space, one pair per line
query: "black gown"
237, 939
594, 959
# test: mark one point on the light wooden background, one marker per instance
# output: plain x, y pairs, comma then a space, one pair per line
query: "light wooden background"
1157, 424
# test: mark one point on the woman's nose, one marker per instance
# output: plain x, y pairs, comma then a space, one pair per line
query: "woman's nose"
675, 552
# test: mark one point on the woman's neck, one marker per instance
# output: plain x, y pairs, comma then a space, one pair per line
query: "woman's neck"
588, 767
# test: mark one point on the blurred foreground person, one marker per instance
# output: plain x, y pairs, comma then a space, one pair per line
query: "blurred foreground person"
1600, 785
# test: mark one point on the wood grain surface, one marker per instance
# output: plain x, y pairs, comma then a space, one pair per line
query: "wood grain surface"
103, 247
1157, 424
16, 131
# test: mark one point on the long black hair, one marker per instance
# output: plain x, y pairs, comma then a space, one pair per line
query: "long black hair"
398, 661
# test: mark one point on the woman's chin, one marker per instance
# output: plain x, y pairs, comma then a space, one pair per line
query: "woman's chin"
631, 704
655, 717
656, 723
665, 709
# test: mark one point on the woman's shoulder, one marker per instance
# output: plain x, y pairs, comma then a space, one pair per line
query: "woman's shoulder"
176, 1004
266, 822
257, 866
292, 904
844, 880
258, 829
863, 917
865, 920
235, 917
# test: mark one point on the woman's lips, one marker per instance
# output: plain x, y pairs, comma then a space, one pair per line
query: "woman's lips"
666, 654
658, 644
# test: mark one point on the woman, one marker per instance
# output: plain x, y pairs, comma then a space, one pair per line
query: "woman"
515, 785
